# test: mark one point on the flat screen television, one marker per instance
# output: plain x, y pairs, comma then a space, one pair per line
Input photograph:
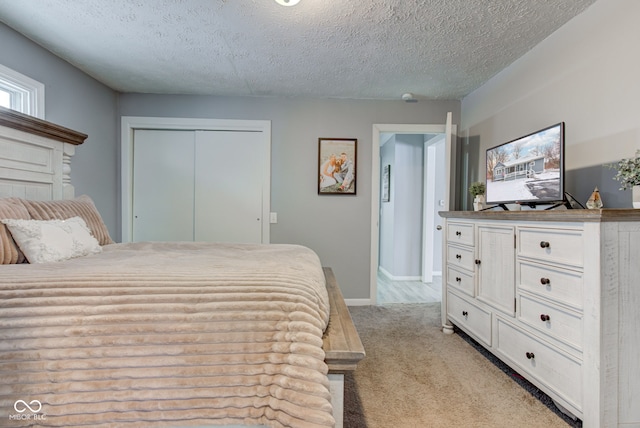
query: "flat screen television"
528, 170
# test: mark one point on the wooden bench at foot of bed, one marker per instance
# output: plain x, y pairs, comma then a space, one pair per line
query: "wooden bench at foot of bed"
341, 343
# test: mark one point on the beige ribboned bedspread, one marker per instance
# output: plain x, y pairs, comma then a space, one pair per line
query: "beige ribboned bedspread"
166, 334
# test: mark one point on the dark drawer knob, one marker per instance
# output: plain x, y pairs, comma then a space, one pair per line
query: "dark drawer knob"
478, 261
458, 279
530, 355
544, 244
465, 313
545, 281
458, 233
458, 256
544, 317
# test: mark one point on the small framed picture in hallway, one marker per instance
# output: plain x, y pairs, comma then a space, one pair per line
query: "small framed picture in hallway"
337, 166
386, 182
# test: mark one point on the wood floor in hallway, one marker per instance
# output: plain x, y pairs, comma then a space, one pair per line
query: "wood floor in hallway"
390, 291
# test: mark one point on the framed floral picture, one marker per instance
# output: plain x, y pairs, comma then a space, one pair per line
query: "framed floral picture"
337, 166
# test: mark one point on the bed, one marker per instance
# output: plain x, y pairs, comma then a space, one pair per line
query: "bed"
154, 333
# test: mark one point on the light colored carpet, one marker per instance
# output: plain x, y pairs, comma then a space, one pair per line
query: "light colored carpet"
415, 376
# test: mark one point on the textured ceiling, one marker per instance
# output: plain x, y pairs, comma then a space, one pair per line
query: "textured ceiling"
363, 49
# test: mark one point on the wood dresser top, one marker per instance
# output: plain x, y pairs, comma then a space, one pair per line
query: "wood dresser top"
601, 215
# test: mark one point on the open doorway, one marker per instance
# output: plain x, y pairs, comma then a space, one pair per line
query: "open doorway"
412, 184
406, 240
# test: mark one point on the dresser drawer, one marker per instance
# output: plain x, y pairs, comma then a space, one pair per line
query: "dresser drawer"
462, 257
559, 372
461, 280
469, 317
556, 245
461, 233
561, 285
563, 325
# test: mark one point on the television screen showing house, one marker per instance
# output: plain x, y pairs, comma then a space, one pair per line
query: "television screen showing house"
527, 170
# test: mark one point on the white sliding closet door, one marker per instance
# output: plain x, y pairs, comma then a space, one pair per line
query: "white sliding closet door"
163, 182
199, 186
229, 183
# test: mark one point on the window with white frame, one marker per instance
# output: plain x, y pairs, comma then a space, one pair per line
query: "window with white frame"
21, 93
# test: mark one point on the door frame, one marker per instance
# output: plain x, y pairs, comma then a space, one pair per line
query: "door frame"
378, 129
131, 123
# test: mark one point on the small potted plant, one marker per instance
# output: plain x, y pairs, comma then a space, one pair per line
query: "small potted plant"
477, 189
629, 176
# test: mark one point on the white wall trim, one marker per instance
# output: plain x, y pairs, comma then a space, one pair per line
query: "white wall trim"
31, 90
392, 277
358, 302
385, 272
130, 123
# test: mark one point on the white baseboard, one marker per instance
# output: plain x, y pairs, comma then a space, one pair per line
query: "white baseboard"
391, 277
386, 273
358, 302
406, 278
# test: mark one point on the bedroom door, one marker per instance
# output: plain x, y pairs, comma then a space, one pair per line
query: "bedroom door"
198, 186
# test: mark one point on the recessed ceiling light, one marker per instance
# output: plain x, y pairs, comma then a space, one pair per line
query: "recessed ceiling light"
288, 2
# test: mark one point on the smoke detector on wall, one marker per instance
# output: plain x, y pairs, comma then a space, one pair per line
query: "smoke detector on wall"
408, 98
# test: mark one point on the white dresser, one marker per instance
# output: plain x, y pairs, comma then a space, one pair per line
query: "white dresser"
556, 296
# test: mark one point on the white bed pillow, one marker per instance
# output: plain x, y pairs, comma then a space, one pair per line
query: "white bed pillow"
44, 241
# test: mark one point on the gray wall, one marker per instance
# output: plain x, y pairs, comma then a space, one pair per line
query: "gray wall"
338, 228
408, 188
76, 101
585, 74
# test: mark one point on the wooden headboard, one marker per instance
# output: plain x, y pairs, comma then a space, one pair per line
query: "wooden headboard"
35, 157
